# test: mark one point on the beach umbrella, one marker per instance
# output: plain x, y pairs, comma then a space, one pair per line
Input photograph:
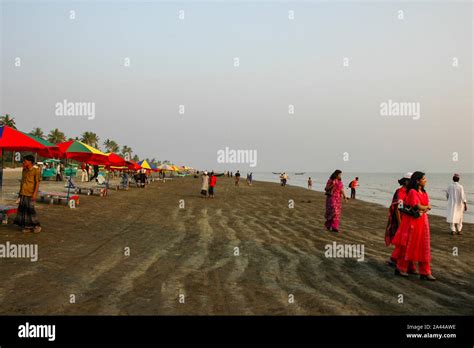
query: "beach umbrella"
144, 164
79, 151
165, 167
15, 140
115, 160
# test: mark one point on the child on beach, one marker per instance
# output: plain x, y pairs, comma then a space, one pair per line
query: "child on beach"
212, 184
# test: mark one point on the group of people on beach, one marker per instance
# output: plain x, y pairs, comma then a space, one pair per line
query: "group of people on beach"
408, 226
208, 183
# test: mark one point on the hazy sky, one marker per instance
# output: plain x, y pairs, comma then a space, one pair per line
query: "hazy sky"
190, 62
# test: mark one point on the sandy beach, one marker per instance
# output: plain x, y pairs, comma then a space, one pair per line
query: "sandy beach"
190, 251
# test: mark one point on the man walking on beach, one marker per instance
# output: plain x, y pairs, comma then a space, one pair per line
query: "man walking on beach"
30, 179
457, 205
353, 184
204, 184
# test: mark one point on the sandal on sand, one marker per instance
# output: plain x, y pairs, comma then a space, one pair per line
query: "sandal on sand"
427, 277
391, 263
37, 229
460, 233
27, 230
415, 272
400, 273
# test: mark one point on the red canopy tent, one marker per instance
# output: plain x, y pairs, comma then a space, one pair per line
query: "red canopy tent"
14, 140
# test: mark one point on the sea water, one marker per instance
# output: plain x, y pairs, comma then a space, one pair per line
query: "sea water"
379, 187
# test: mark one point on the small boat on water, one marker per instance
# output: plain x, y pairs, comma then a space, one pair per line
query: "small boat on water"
299, 173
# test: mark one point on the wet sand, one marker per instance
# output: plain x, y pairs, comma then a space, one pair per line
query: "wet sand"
190, 251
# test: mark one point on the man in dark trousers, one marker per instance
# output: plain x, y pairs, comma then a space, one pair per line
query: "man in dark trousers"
354, 183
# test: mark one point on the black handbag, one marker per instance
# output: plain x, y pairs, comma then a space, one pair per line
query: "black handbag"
411, 211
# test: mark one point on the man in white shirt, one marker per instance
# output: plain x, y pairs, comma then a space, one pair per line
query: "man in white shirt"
457, 205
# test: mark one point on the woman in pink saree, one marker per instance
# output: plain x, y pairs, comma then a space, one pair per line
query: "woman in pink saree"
334, 194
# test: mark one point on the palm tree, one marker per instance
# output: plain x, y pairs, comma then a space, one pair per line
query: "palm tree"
136, 158
111, 146
90, 138
37, 132
126, 152
10, 122
55, 136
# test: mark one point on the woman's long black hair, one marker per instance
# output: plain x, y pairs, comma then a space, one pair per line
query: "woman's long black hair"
413, 184
335, 174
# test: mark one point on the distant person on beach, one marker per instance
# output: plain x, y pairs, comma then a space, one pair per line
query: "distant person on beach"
84, 174
395, 217
88, 171
310, 183
250, 178
212, 184
353, 184
96, 172
58, 172
237, 178
457, 205
334, 191
204, 184
62, 171
413, 235
30, 180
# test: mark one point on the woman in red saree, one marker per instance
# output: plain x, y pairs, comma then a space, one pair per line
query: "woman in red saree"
395, 217
413, 235
334, 193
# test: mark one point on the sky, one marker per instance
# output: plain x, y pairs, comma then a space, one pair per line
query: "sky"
190, 61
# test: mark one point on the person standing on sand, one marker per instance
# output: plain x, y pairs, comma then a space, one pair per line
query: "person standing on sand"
310, 183
457, 205
413, 235
204, 184
334, 191
353, 184
58, 172
395, 217
251, 178
30, 180
237, 178
212, 184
